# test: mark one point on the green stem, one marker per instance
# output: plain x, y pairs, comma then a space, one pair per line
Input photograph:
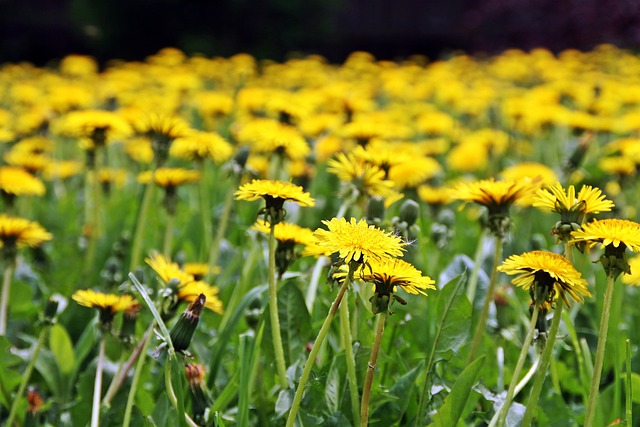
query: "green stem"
273, 312
136, 379
504, 410
597, 367
480, 326
97, 387
308, 366
26, 376
532, 403
171, 392
477, 260
4, 298
629, 393
205, 211
168, 234
136, 247
214, 251
366, 391
93, 223
347, 343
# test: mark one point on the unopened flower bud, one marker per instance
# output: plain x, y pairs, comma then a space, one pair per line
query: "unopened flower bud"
200, 397
184, 329
50, 310
409, 212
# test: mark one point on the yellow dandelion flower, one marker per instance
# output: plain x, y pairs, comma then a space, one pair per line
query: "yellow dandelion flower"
589, 200
33, 162
368, 179
167, 269
414, 172
199, 269
435, 196
107, 304
139, 149
156, 125
274, 191
110, 302
547, 269
619, 165
495, 195
392, 273
170, 177
610, 232
530, 171
200, 146
19, 232
62, 169
190, 291
108, 176
358, 242
15, 181
286, 232
96, 127
270, 136
78, 66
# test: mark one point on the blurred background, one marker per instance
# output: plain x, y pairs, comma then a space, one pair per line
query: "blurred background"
40, 31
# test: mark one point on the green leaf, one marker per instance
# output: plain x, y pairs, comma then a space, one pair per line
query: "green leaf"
635, 387
179, 383
333, 384
9, 376
245, 352
453, 312
62, 348
400, 394
220, 347
449, 413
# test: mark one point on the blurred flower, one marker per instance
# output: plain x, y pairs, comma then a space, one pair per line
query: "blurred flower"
287, 235
95, 127
15, 181
553, 272
530, 171
170, 177
62, 169
200, 146
18, 232
107, 304
633, 278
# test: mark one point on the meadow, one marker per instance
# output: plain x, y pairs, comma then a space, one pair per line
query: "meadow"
230, 241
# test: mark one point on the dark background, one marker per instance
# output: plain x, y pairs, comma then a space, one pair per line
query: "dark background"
43, 30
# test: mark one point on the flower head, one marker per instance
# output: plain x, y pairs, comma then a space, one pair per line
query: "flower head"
497, 197
358, 242
107, 304
552, 272
170, 177
573, 209
201, 145
17, 232
15, 181
288, 236
275, 193
633, 278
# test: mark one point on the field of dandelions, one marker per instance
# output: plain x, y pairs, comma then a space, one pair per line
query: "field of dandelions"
232, 241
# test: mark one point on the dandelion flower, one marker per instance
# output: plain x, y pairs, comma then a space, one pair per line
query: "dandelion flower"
391, 273
589, 200
18, 232
200, 146
610, 232
358, 242
16, 181
552, 271
107, 304
633, 278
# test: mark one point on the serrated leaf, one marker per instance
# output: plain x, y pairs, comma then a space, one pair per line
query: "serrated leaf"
453, 312
333, 383
449, 413
62, 348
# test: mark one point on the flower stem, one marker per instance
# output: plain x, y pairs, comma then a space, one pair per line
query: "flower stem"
629, 396
602, 341
168, 234
347, 343
26, 376
171, 392
477, 260
308, 366
273, 312
504, 410
136, 247
97, 387
366, 391
480, 326
205, 211
214, 251
4, 299
532, 403
136, 378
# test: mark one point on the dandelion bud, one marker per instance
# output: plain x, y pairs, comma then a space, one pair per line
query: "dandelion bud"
409, 212
200, 397
50, 310
184, 329
375, 209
